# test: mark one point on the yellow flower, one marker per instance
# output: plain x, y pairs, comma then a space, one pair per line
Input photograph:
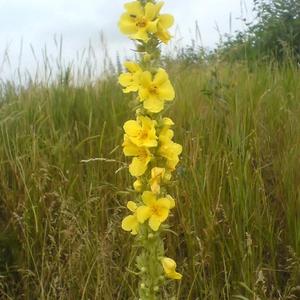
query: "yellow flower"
165, 21
154, 91
166, 134
130, 223
130, 80
168, 149
167, 122
169, 266
171, 152
157, 175
141, 132
141, 160
138, 21
137, 185
156, 210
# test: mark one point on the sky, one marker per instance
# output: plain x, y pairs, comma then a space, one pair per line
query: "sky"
28, 27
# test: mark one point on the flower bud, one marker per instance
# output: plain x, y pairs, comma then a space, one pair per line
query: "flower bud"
137, 185
150, 236
143, 286
147, 57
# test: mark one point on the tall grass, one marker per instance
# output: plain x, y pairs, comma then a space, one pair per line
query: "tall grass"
64, 187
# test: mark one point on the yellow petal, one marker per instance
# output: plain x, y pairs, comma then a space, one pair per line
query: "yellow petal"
148, 141
145, 79
130, 223
143, 93
132, 67
131, 88
162, 213
164, 202
154, 223
125, 79
166, 91
172, 201
147, 122
154, 104
138, 166
167, 202
152, 26
160, 77
143, 213
163, 34
169, 149
141, 34
134, 8
166, 20
177, 148
132, 206
157, 172
132, 128
127, 24
156, 176
174, 275
129, 148
169, 266
166, 135
130, 81
148, 198
171, 164
168, 122
152, 10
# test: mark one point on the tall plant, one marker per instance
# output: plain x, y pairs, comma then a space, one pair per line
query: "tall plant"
148, 139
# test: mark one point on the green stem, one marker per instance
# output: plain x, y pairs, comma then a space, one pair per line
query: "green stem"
148, 262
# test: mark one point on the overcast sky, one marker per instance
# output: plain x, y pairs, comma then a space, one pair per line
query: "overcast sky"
37, 22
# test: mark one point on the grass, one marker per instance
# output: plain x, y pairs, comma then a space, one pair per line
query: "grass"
237, 189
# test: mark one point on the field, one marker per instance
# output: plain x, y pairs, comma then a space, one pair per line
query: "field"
64, 186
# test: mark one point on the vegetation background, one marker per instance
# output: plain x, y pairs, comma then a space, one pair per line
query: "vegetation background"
64, 185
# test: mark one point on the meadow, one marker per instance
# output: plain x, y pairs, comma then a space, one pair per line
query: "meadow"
64, 185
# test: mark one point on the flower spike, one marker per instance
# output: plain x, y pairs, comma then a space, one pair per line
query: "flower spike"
148, 140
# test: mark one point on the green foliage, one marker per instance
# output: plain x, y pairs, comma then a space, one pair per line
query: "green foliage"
274, 33
187, 56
